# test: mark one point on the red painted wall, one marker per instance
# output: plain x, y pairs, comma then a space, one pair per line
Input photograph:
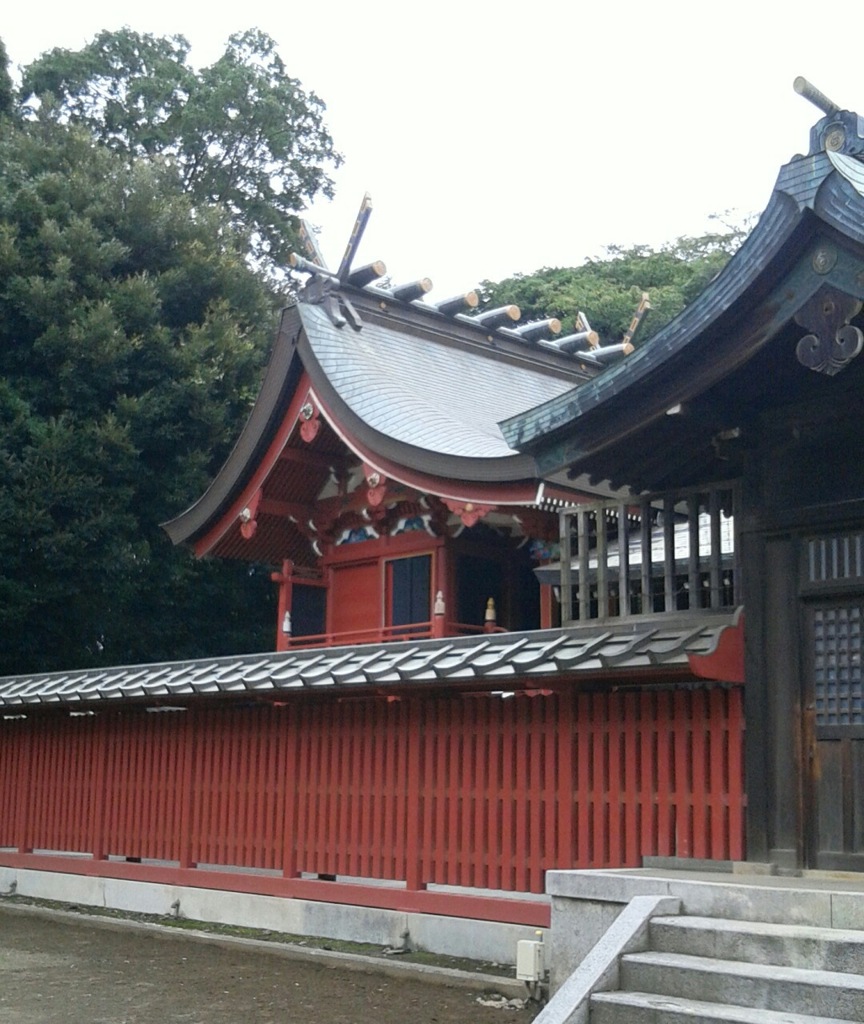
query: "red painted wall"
471, 791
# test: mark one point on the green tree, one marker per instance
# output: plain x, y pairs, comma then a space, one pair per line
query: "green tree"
241, 134
608, 290
6, 89
132, 338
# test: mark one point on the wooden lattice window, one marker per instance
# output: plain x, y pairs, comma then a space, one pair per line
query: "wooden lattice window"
837, 676
834, 559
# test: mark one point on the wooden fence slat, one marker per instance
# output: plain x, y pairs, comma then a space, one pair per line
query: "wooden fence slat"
700, 785
665, 794
508, 824
494, 783
583, 781
631, 851
465, 774
479, 791
735, 788
683, 775
565, 783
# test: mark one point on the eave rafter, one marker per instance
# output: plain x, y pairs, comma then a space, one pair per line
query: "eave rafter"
336, 461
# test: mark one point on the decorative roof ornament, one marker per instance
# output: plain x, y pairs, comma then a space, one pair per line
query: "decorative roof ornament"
323, 286
595, 353
817, 98
849, 168
833, 342
840, 132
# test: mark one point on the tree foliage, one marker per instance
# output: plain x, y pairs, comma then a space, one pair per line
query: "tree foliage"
241, 134
133, 330
6, 89
608, 290
132, 338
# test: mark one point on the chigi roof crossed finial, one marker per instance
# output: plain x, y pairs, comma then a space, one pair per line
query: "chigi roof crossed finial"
326, 288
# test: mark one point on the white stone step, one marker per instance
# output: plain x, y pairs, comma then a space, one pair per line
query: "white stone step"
761, 986
650, 1008
826, 949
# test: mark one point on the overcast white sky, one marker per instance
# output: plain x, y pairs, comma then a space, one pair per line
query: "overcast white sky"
501, 137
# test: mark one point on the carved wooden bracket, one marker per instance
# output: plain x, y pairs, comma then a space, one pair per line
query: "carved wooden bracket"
538, 524
249, 516
310, 423
833, 342
377, 485
469, 512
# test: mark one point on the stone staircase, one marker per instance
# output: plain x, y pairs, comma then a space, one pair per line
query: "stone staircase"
716, 969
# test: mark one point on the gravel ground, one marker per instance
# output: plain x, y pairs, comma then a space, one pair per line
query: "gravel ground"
73, 970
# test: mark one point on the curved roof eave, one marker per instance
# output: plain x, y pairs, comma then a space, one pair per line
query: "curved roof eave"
755, 261
375, 443
293, 354
402, 390
283, 373
820, 195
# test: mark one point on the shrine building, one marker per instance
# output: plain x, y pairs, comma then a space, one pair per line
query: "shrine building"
546, 602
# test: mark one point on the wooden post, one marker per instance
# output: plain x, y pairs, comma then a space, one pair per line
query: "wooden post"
186, 738
283, 614
566, 597
442, 589
26, 795
547, 606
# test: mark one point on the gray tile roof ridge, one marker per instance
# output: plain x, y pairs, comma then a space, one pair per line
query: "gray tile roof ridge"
528, 654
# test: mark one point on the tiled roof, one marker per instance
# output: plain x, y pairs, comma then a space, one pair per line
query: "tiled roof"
644, 369
712, 321
422, 391
493, 661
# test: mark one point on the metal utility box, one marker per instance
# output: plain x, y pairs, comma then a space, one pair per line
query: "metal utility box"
530, 960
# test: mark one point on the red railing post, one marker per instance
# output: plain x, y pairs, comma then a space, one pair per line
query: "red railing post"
285, 582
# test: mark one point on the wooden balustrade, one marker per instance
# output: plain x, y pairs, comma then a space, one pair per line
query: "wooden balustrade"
659, 553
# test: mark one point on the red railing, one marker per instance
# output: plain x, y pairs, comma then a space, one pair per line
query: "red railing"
386, 634
474, 791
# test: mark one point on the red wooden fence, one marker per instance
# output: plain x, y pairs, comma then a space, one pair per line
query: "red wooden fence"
478, 791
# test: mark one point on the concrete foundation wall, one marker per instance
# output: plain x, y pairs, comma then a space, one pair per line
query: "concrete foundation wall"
478, 940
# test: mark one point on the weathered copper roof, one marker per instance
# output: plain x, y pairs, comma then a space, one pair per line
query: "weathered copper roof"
488, 662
